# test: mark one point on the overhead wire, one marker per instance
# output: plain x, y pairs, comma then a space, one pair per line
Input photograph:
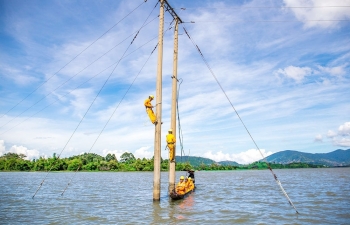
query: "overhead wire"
265, 21
73, 58
79, 86
111, 116
40, 185
268, 7
90, 64
114, 109
126, 92
222, 89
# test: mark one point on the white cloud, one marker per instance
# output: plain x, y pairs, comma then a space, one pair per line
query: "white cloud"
318, 138
30, 154
20, 77
331, 134
295, 73
2, 147
318, 12
344, 129
218, 156
334, 71
250, 156
246, 157
344, 142
341, 138
81, 100
144, 153
117, 153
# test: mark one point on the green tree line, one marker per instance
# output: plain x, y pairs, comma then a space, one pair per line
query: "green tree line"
127, 162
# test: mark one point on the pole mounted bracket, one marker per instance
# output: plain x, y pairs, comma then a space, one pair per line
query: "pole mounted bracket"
171, 11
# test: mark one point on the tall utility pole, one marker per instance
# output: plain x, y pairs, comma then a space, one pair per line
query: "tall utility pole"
173, 106
157, 137
174, 91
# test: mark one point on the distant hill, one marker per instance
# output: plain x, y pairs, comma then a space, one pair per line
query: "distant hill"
229, 163
336, 158
194, 160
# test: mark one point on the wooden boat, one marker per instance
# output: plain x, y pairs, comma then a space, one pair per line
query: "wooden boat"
176, 196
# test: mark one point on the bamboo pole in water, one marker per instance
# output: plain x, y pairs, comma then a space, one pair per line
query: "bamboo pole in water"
157, 136
173, 107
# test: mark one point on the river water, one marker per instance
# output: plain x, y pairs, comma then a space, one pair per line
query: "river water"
322, 196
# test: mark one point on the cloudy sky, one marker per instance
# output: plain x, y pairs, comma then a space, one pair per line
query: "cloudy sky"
72, 82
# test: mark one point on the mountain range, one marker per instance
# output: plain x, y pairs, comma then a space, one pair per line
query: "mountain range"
333, 159
336, 158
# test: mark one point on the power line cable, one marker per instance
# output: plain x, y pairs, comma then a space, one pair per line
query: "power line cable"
265, 21
222, 89
78, 86
127, 91
91, 104
269, 7
98, 58
73, 59
111, 116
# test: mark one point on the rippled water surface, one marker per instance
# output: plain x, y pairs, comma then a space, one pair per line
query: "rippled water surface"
322, 196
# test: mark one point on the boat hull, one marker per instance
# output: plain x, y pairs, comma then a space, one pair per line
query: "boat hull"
176, 196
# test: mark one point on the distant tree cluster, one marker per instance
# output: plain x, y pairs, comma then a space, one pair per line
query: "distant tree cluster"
83, 162
263, 165
127, 162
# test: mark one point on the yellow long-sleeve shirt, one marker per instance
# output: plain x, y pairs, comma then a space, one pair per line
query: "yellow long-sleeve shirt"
148, 103
170, 139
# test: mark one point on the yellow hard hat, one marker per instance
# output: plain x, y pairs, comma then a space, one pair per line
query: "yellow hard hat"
151, 96
182, 177
170, 130
189, 178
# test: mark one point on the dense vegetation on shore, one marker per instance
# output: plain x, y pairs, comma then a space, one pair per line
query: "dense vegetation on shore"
127, 162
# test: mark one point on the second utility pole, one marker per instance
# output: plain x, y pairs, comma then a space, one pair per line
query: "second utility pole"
172, 165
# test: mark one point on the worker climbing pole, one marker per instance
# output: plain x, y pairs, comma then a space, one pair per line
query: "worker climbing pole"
170, 140
149, 109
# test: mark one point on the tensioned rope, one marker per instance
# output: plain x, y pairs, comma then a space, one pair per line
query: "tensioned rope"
127, 91
73, 58
91, 104
90, 64
222, 89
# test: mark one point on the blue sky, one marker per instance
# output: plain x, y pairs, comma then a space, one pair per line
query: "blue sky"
283, 64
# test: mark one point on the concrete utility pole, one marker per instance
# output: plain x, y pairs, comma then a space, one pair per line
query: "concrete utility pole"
173, 106
174, 91
158, 130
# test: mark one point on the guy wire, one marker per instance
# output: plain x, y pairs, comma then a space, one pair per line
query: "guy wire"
217, 81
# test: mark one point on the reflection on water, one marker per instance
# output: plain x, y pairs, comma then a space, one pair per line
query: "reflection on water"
322, 196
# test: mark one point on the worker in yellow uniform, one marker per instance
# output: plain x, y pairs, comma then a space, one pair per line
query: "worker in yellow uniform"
190, 184
181, 186
187, 184
170, 140
149, 109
